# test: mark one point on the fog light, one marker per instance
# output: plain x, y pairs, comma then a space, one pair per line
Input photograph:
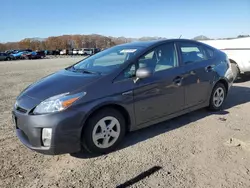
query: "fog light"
46, 136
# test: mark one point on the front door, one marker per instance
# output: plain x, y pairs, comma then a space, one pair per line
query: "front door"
162, 93
198, 73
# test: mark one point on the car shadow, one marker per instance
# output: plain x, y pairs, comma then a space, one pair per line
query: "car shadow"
238, 95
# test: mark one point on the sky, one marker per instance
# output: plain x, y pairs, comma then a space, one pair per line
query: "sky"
130, 18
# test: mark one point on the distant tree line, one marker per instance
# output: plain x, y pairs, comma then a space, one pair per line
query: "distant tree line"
62, 42
69, 42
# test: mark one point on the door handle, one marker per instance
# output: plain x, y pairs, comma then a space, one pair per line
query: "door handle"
178, 81
209, 68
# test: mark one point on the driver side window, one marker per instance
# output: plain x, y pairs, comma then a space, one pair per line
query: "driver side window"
160, 58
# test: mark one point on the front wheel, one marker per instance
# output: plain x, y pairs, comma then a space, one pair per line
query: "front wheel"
104, 131
218, 97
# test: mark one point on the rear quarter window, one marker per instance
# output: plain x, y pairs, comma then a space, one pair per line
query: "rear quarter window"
209, 52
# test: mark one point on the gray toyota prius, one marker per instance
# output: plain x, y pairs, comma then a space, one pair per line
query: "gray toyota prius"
93, 104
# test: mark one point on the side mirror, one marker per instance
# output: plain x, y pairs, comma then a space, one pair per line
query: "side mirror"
142, 73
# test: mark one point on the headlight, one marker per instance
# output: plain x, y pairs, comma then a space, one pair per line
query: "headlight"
57, 103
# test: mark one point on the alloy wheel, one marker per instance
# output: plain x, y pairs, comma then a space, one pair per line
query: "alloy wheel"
106, 132
218, 97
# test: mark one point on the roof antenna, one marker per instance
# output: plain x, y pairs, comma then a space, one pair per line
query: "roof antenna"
180, 36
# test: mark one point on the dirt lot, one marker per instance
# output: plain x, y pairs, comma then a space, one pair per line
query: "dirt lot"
200, 149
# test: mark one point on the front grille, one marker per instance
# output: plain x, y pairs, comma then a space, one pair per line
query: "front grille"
21, 109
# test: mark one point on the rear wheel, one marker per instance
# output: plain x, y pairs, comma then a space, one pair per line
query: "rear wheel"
218, 97
103, 131
8, 58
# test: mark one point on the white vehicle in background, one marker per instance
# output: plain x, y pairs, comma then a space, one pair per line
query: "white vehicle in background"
63, 52
75, 52
238, 52
85, 51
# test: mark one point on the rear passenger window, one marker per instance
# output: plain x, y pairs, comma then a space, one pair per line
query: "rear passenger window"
192, 53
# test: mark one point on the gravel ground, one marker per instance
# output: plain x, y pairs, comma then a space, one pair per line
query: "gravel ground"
200, 149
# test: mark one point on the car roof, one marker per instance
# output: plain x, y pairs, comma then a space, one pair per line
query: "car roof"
155, 42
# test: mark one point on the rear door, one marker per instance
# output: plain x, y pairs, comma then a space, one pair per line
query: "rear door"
198, 72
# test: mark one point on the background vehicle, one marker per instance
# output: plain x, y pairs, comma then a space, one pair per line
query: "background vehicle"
87, 51
238, 52
10, 51
4, 56
18, 55
53, 52
75, 51
70, 52
124, 88
34, 55
95, 50
81, 51
64, 52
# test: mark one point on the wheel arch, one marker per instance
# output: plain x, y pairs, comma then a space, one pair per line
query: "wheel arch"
224, 82
124, 112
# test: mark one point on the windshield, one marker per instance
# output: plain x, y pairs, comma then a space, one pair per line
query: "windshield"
108, 60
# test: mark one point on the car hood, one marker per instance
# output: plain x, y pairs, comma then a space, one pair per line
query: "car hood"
60, 82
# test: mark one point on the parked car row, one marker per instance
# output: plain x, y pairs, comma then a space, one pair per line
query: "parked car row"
29, 54
33, 55
21, 54
82, 51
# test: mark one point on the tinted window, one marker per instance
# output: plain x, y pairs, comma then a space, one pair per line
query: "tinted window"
192, 53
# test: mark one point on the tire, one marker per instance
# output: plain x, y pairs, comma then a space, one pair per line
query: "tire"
104, 143
236, 71
219, 92
8, 59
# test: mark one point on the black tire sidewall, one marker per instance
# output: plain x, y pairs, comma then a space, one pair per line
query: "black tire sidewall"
87, 140
211, 102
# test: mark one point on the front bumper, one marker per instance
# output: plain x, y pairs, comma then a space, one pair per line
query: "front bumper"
66, 131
